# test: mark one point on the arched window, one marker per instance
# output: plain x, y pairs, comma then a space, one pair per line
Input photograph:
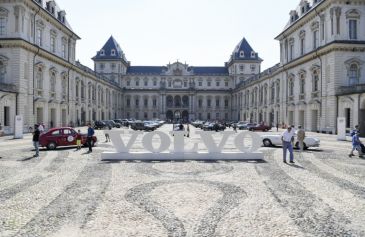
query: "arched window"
169, 101
113, 52
354, 74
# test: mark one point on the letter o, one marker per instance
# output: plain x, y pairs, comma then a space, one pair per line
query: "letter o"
164, 145
240, 144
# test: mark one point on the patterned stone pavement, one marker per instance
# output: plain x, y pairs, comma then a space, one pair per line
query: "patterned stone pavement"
71, 193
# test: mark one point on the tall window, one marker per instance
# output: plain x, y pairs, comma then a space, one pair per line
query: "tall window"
315, 81
64, 87
291, 51
302, 84
63, 49
39, 37
353, 29
39, 79
53, 44
53, 82
302, 46
2, 72
3, 20
315, 39
353, 74
291, 87
272, 91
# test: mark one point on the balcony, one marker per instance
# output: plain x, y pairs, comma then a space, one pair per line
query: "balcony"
7, 87
353, 89
315, 94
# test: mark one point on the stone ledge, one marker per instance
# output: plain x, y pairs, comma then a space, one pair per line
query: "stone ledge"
115, 156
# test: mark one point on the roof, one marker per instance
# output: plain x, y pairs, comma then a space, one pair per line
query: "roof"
106, 51
158, 70
210, 71
244, 51
155, 70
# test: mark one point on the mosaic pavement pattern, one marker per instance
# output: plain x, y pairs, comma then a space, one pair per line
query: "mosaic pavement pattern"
70, 193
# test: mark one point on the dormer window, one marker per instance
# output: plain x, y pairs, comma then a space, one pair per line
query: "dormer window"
102, 52
242, 54
113, 52
253, 54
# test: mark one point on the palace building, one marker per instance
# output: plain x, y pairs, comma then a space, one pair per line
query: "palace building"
319, 77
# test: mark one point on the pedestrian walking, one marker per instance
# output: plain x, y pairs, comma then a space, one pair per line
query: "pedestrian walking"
78, 140
90, 134
287, 138
300, 137
188, 130
40, 128
234, 127
356, 145
277, 127
107, 137
355, 130
36, 134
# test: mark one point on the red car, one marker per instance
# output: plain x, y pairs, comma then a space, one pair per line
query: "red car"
62, 137
260, 127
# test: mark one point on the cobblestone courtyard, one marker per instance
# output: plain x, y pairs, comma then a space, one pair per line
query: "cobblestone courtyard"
71, 193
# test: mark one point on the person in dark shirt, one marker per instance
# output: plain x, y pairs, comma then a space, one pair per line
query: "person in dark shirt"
90, 134
36, 135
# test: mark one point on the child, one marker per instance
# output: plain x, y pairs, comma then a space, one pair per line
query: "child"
107, 138
78, 140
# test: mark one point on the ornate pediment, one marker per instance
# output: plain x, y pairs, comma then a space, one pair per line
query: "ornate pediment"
178, 69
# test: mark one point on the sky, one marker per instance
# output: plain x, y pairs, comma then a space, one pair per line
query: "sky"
198, 32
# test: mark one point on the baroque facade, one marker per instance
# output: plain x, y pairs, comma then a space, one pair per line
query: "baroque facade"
320, 75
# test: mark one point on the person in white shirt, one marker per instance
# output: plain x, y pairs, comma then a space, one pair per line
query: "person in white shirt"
287, 138
41, 128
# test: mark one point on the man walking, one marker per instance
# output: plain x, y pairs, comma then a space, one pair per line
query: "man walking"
90, 134
287, 138
356, 145
36, 134
301, 136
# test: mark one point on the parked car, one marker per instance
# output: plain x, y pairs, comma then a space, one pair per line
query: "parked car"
140, 125
275, 140
111, 124
65, 136
197, 123
119, 122
245, 125
259, 127
99, 125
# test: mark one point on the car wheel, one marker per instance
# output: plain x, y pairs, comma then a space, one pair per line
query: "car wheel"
265, 130
267, 142
51, 146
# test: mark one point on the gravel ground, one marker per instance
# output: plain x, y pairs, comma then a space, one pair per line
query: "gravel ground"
71, 193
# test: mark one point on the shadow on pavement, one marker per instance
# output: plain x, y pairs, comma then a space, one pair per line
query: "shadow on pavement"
183, 161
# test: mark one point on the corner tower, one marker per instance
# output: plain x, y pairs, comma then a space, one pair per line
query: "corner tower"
244, 62
110, 61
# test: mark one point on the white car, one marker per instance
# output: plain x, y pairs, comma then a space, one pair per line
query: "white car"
275, 140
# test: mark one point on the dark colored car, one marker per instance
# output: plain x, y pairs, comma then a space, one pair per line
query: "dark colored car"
119, 122
260, 127
65, 136
99, 125
138, 125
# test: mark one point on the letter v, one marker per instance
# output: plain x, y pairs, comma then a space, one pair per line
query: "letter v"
116, 139
209, 141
